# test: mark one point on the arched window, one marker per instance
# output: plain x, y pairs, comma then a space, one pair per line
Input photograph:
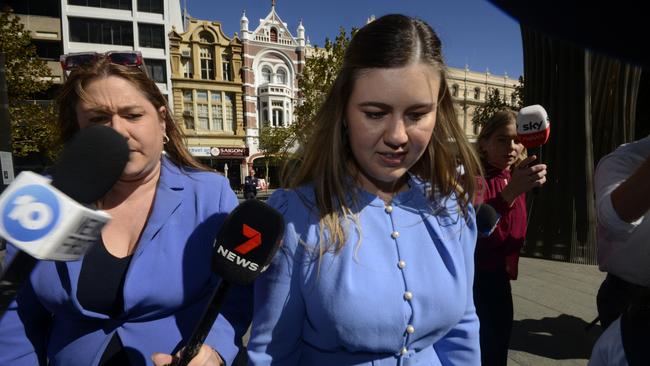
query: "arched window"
274, 35
206, 37
266, 75
454, 90
477, 93
281, 76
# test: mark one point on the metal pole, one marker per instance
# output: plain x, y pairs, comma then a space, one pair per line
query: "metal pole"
5, 128
6, 161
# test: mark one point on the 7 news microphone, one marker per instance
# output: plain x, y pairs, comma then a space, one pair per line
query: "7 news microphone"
47, 219
245, 245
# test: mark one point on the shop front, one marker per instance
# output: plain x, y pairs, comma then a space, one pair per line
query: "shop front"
229, 161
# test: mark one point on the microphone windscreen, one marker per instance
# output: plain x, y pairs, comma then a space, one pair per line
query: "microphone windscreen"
248, 239
533, 126
90, 163
487, 219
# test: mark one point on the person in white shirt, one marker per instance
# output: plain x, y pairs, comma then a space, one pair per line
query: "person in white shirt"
623, 202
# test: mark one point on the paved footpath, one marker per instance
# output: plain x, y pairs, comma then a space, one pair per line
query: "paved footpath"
554, 302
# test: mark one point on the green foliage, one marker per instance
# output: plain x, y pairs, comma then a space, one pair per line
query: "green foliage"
317, 78
494, 103
33, 126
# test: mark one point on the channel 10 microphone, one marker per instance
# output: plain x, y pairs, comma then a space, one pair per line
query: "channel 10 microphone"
245, 245
47, 219
533, 128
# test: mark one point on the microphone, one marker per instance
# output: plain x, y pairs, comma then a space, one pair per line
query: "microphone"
245, 245
533, 128
46, 219
487, 219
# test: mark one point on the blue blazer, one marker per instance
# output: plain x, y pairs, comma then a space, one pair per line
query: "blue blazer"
398, 293
167, 286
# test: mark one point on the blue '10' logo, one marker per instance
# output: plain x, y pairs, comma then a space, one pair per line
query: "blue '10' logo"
30, 213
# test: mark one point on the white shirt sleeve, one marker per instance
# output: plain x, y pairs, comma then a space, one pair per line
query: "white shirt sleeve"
613, 170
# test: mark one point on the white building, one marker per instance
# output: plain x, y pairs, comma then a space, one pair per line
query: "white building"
107, 25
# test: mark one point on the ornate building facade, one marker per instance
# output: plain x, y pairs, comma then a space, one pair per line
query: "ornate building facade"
207, 96
273, 59
469, 90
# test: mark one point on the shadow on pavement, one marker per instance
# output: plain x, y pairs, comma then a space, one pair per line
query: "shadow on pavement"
560, 338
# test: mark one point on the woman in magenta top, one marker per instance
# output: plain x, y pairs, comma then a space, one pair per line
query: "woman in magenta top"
508, 176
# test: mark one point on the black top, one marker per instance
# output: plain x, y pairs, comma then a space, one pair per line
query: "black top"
101, 281
101, 289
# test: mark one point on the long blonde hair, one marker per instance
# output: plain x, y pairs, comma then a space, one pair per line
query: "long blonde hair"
391, 41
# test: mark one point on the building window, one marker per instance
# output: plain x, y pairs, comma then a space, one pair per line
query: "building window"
477, 93
34, 7
48, 50
151, 6
266, 75
513, 99
454, 90
103, 31
109, 4
274, 35
229, 107
188, 109
188, 68
157, 69
151, 35
217, 112
225, 68
278, 120
206, 37
496, 92
202, 109
281, 76
207, 63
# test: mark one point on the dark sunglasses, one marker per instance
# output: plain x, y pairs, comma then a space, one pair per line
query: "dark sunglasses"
72, 61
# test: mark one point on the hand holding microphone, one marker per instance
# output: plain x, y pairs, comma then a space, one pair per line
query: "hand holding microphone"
533, 130
245, 245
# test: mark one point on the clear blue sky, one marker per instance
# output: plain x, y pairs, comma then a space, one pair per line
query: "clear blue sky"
473, 32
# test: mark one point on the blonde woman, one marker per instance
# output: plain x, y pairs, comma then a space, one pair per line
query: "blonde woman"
378, 257
509, 174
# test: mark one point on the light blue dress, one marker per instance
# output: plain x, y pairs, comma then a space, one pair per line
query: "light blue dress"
402, 296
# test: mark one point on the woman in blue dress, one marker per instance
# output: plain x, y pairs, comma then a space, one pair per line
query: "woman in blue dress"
377, 262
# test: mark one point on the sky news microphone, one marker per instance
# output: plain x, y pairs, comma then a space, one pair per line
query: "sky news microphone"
533, 129
47, 219
487, 219
245, 245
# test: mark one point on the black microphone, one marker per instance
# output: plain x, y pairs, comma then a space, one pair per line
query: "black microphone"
46, 220
487, 219
247, 241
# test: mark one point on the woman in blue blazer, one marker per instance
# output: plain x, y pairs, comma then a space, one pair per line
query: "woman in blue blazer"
378, 257
142, 288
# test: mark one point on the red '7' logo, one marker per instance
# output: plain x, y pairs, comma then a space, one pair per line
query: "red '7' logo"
254, 240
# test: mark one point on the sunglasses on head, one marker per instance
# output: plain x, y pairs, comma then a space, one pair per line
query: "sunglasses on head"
72, 61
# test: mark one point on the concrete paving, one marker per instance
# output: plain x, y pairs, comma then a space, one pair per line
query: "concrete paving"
553, 303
